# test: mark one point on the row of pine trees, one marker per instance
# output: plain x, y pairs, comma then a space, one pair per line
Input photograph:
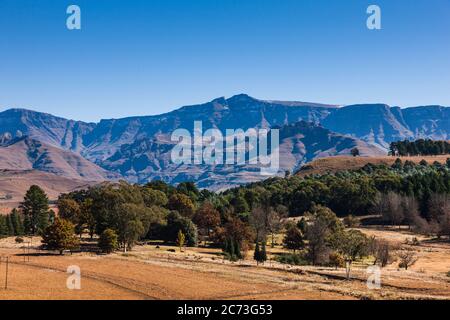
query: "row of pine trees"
12, 224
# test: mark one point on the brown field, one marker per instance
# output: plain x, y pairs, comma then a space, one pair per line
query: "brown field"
149, 272
335, 164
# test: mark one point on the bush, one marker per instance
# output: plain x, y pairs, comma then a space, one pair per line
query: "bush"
292, 259
336, 260
19, 240
108, 241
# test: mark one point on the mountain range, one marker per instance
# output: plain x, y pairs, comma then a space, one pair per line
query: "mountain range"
138, 148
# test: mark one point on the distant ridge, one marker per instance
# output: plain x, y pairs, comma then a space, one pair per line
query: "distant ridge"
137, 147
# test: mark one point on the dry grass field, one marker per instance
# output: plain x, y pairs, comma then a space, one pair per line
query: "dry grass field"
151, 272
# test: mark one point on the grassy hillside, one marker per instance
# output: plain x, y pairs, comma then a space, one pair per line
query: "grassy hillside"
340, 163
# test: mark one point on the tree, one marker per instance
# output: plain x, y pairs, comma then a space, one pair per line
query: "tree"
240, 234
258, 220
390, 206
352, 244
131, 233
35, 208
108, 241
293, 239
260, 255
69, 209
181, 203
336, 260
180, 239
17, 223
60, 236
407, 259
154, 197
322, 234
275, 221
207, 218
381, 250
9, 225
355, 152
263, 257
175, 223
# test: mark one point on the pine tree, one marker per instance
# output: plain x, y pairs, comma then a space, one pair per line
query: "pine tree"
27, 225
257, 254
9, 225
35, 207
263, 252
3, 227
17, 223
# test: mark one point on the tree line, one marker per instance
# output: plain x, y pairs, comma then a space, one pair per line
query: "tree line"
419, 147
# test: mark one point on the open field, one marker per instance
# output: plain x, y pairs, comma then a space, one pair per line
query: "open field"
149, 272
335, 164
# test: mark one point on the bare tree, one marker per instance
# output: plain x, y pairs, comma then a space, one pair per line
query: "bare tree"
381, 250
411, 212
407, 259
275, 221
390, 207
258, 220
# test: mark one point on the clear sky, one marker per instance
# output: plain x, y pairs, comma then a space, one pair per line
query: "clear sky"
144, 57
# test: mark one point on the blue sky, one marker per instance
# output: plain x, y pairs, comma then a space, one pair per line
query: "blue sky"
143, 57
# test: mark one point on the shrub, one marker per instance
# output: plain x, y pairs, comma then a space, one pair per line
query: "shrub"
336, 260
292, 259
19, 240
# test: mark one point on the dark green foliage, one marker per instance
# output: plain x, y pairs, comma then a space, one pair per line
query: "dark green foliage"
293, 239
292, 259
260, 255
232, 249
35, 208
108, 241
175, 223
17, 223
419, 148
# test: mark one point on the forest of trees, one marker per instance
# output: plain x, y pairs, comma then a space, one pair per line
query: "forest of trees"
419, 147
119, 215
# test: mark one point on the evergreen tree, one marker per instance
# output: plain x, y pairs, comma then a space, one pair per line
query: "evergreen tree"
17, 223
9, 225
257, 254
4, 232
263, 252
35, 207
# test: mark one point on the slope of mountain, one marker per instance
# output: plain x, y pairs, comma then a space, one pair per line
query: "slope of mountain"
47, 128
378, 124
301, 142
139, 147
14, 184
27, 154
238, 112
